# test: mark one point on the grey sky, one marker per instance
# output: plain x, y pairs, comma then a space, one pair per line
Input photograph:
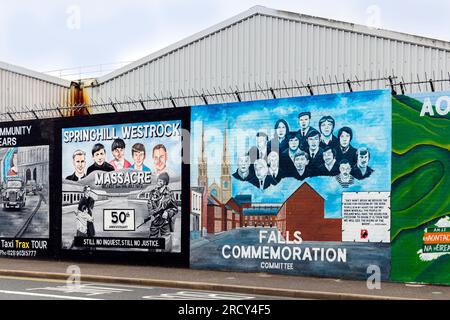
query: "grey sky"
47, 34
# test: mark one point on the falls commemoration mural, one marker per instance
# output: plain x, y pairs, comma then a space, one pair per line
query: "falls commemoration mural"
294, 186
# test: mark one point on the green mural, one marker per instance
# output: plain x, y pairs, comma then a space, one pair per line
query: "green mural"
420, 203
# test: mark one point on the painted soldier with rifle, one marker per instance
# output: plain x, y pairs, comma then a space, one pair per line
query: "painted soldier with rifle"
162, 208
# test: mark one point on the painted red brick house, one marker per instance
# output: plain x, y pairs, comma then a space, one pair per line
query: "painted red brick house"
304, 211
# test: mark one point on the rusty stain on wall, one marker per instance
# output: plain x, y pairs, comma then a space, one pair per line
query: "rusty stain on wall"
76, 101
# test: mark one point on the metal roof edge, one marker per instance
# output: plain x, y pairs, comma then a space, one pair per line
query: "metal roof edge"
34, 74
358, 28
180, 44
261, 10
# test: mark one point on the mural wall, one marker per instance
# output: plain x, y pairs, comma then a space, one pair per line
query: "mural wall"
328, 186
121, 187
295, 186
24, 184
420, 188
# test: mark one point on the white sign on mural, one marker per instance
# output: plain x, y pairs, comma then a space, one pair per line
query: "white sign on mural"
366, 216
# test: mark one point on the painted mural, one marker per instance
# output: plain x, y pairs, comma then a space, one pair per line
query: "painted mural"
420, 231
121, 187
25, 201
293, 186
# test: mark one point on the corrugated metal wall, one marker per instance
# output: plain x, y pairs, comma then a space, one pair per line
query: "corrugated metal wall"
20, 90
272, 51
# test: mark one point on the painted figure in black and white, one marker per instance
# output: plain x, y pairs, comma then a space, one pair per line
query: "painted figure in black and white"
243, 172
302, 161
82, 218
162, 208
261, 150
273, 160
345, 149
330, 167
287, 157
79, 165
327, 138
85, 206
262, 180
99, 156
304, 121
344, 178
362, 170
314, 151
280, 142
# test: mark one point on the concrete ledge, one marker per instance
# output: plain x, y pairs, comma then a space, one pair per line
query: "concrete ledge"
288, 293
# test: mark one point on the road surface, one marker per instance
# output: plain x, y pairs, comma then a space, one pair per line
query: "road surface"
15, 288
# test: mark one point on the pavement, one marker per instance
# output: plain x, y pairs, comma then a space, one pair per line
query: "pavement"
237, 282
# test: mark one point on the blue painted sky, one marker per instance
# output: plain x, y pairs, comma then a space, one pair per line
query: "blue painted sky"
367, 113
7, 161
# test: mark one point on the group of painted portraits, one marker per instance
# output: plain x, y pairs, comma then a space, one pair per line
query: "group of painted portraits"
304, 153
118, 161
